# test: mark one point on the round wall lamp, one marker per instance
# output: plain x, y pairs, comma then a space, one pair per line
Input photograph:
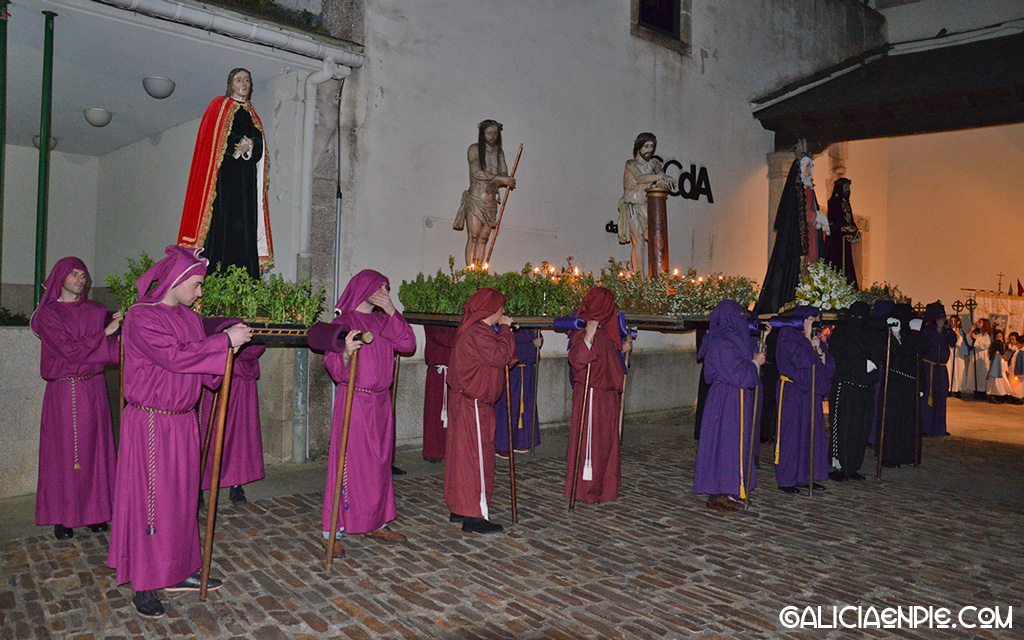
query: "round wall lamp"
158, 86
97, 117
35, 142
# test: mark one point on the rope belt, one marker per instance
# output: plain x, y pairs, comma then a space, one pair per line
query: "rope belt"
778, 423
931, 378
74, 378
151, 462
443, 370
74, 413
743, 415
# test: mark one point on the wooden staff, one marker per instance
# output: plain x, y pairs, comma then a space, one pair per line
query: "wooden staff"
120, 377
511, 449
750, 451
810, 483
579, 442
342, 447
885, 398
622, 400
917, 407
209, 433
504, 201
394, 398
218, 449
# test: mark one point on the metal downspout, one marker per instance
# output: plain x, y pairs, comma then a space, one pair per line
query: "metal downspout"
44, 159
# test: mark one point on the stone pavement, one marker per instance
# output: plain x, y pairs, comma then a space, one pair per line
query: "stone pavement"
655, 564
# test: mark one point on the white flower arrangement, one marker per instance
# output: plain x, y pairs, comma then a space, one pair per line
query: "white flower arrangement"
825, 288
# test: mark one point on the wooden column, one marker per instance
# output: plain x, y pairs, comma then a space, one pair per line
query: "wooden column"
657, 230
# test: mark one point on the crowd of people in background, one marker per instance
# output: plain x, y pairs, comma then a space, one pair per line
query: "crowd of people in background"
985, 363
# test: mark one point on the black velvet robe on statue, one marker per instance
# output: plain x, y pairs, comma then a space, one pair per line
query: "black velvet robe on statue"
901, 405
231, 239
784, 270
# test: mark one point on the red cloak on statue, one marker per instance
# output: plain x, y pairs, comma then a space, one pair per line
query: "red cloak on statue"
211, 144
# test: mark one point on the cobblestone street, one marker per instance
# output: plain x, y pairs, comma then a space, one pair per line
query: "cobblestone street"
655, 564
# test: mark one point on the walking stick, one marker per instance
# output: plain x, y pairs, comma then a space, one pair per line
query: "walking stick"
622, 400
535, 431
501, 213
753, 421
885, 397
342, 448
511, 449
810, 479
120, 377
917, 408
218, 449
579, 441
394, 409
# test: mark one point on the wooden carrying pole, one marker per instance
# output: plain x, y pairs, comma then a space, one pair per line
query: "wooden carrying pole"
753, 438
504, 201
885, 400
622, 398
511, 448
535, 429
342, 448
218, 449
579, 441
814, 401
394, 405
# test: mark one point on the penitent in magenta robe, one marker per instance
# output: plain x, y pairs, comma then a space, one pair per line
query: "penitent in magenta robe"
76, 442
476, 378
436, 353
154, 535
242, 457
601, 449
368, 493
795, 356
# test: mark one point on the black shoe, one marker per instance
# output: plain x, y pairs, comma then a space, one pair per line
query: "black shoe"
456, 518
63, 533
479, 525
817, 487
147, 604
433, 460
191, 583
855, 477
789, 490
99, 527
237, 496
395, 471
837, 476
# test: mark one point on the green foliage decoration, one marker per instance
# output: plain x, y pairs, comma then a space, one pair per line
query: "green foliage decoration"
882, 291
233, 293
9, 318
548, 290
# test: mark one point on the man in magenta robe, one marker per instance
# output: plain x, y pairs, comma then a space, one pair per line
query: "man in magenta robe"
368, 492
436, 353
154, 537
476, 378
242, 455
76, 441
724, 471
598, 377
800, 353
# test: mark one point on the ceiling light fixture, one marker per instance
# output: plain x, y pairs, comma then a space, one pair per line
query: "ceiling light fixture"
97, 117
158, 86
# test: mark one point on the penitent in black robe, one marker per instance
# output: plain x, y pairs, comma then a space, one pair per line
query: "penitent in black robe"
231, 239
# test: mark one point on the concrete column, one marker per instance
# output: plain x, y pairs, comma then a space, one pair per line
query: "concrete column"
778, 168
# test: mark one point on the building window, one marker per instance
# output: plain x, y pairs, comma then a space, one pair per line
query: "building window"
662, 22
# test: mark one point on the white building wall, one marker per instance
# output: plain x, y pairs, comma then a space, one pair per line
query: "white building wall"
71, 217
925, 19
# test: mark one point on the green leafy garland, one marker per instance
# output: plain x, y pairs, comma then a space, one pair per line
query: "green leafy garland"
235, 294
548, 290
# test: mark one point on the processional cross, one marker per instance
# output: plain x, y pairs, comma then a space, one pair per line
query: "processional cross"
999, 287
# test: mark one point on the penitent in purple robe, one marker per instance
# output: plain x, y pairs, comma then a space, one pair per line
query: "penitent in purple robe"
795, 357
728, 422
76, 442
935, 379
525, 430
242, 457
436, 353
154, 537
368, 493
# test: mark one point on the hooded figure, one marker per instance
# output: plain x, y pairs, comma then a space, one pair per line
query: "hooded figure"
723, 469
838, 250
905, 346
154, 537
367, 493
76, 444
802, 356
522, 377
476, 378
857, 345
437, 351
938, 339
596, 350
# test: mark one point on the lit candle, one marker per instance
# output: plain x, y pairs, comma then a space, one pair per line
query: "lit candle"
675, 272
486, 266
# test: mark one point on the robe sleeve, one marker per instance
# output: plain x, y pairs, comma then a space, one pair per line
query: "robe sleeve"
580, 355
203, 356
504, 352
795, 356
95, 348
731, 365
398, 331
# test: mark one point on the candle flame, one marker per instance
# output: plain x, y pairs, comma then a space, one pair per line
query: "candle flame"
675, 272
486, 266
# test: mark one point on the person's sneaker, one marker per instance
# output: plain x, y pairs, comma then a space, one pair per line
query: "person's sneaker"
147, 604
192, 583
479, 525
237, 496
99, 527
63, 533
